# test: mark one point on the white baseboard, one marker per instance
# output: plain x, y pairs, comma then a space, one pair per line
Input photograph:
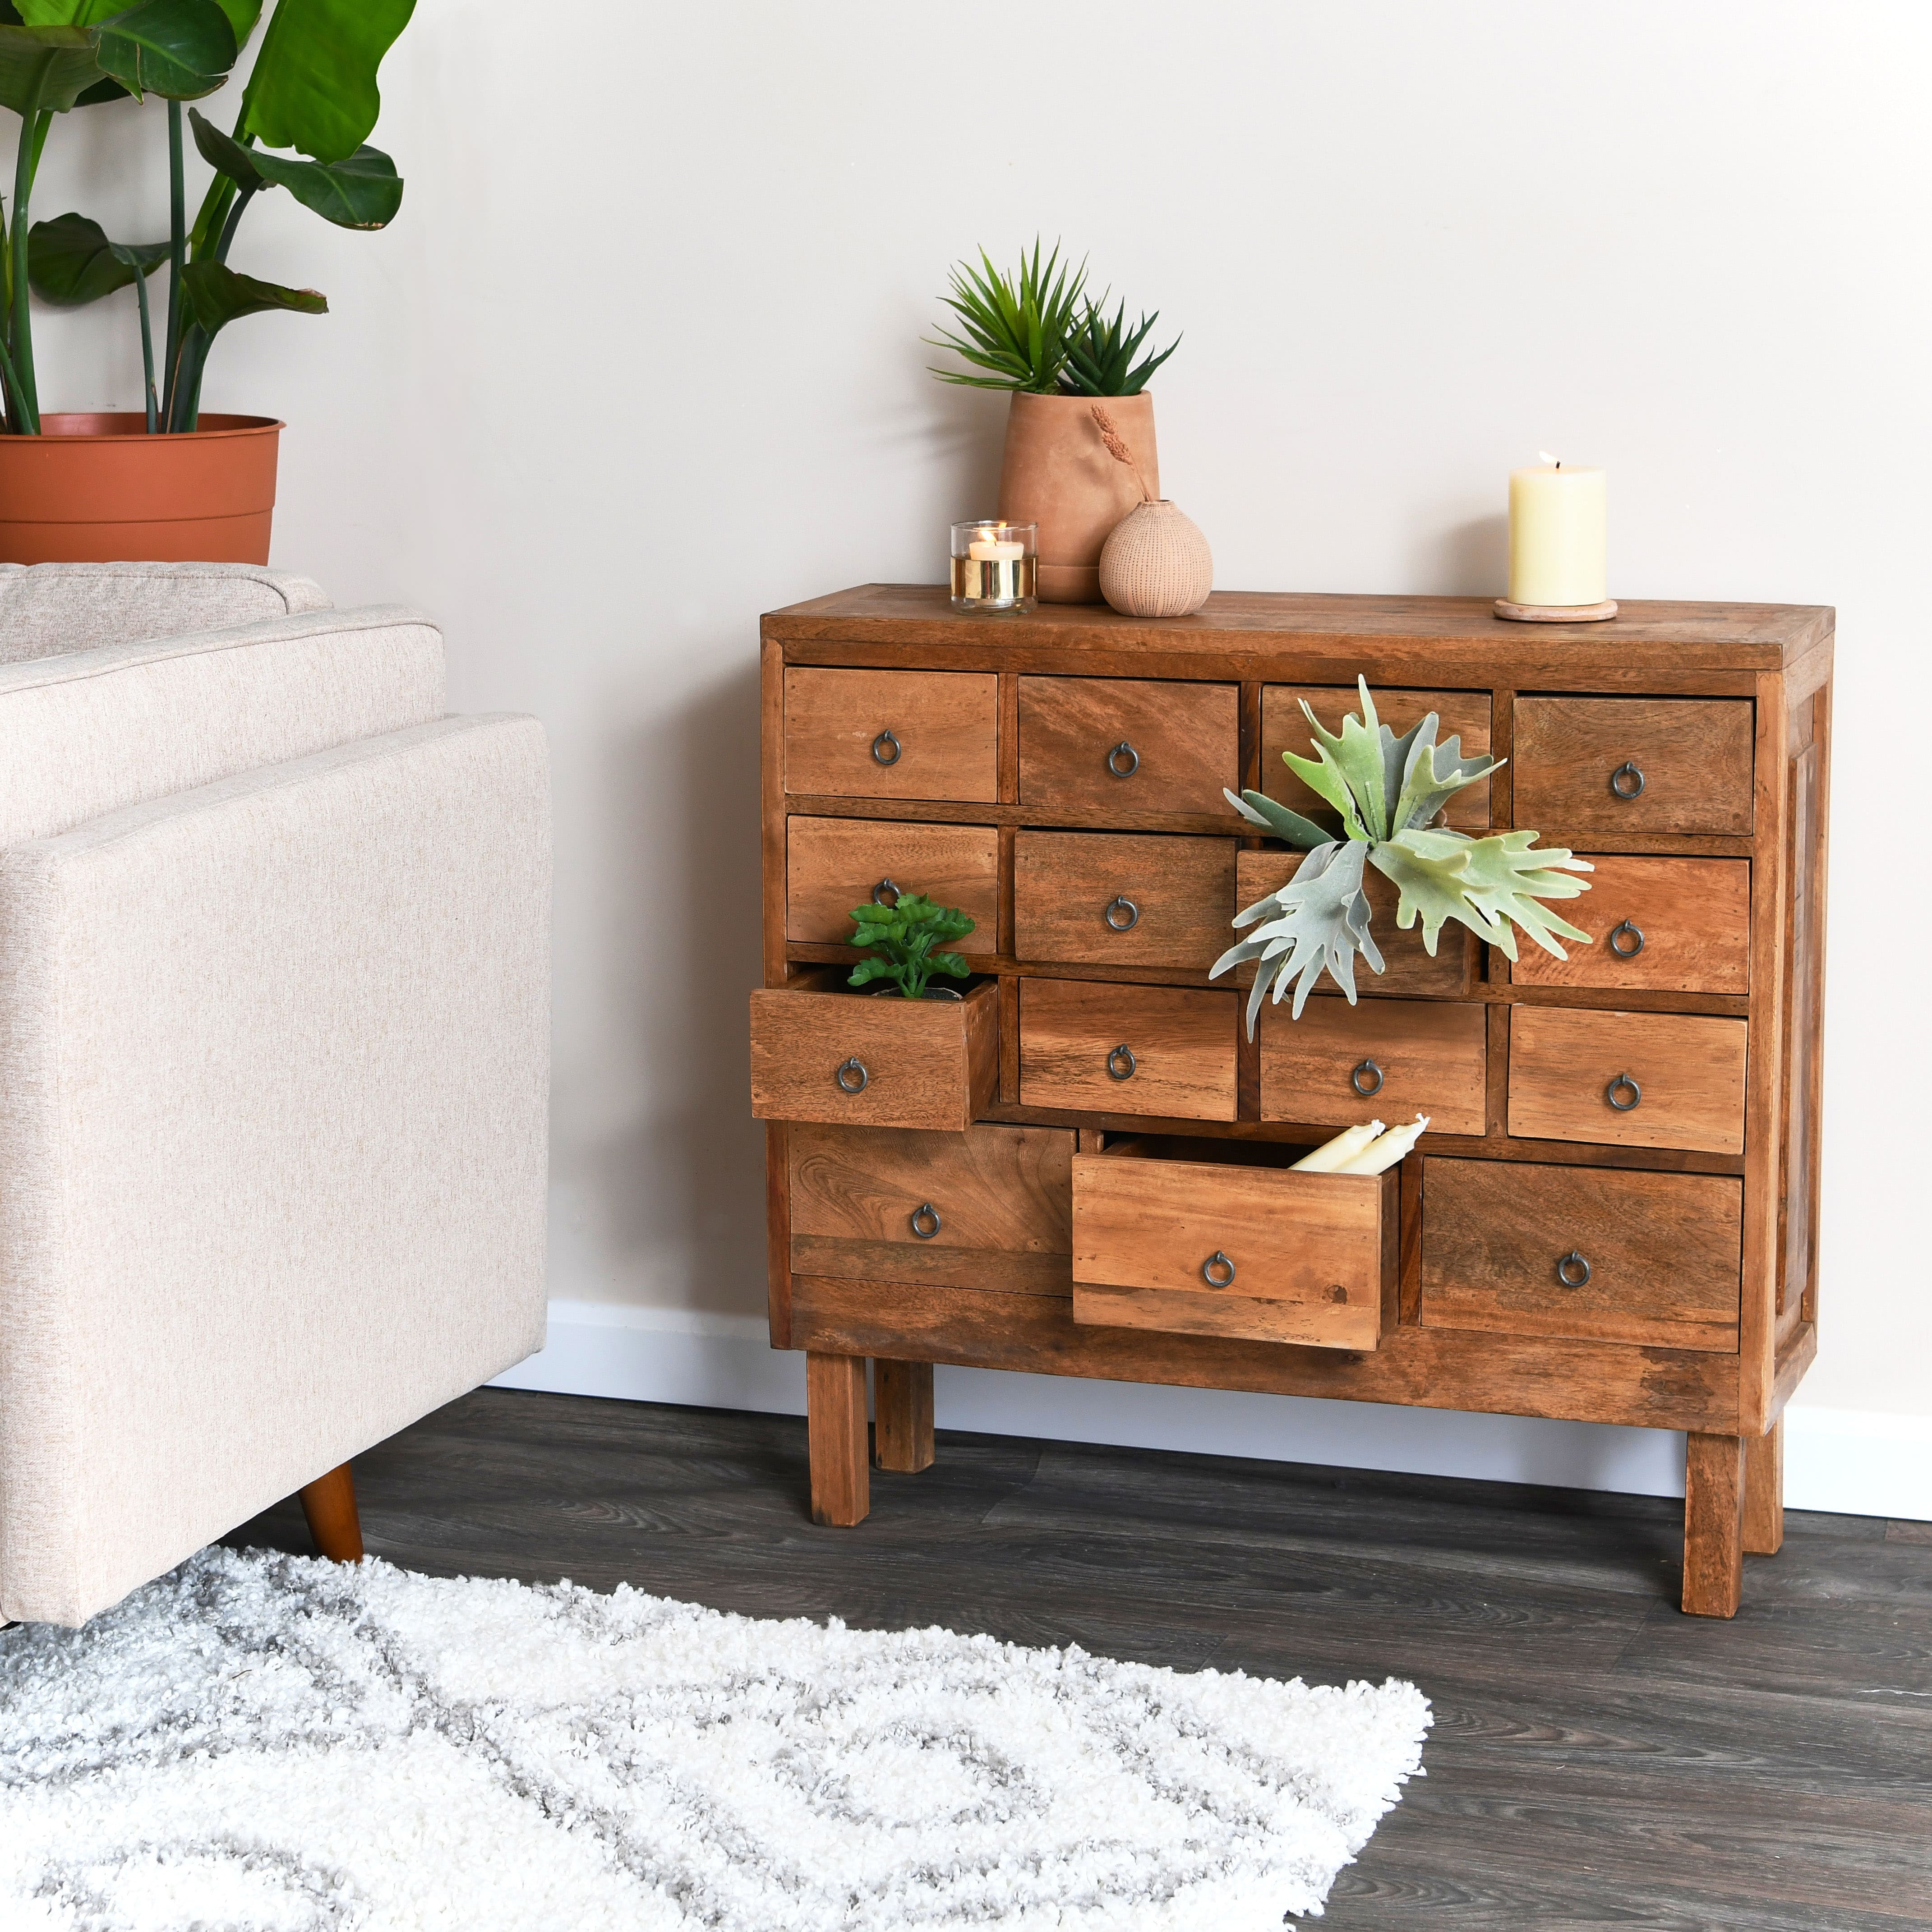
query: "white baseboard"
1840, 1460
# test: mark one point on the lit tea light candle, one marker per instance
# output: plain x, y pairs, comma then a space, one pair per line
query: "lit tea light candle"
987, 548
1558, 541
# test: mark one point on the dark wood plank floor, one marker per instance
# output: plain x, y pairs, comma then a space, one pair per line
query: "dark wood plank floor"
1597, 1759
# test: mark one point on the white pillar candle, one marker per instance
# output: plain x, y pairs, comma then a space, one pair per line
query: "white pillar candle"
1558, 518
986, 550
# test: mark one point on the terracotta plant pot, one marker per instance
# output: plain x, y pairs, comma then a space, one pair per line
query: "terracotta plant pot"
1156, 563
96, 488
1057, 474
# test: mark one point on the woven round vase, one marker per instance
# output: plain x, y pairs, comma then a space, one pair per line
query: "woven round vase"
1156, 564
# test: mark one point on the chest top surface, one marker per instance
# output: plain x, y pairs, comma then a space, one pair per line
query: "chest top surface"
1451, 637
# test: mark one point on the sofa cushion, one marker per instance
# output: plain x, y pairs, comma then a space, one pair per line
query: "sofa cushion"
49, 607
92, 730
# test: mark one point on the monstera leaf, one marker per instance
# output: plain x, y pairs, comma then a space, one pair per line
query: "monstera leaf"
1320, 918
1388, 788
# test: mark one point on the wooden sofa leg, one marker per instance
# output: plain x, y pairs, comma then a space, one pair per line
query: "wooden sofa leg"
834, 1424
902, 1409
1764, 1491
329, 1504
1714, 1523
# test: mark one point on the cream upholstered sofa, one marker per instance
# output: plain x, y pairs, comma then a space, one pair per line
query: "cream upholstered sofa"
274, 1024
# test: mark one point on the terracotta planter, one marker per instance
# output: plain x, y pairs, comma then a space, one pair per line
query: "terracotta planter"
96, 488
1057, 474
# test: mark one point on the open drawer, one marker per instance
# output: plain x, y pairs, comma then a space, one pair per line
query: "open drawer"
859, 1060
1207, 1237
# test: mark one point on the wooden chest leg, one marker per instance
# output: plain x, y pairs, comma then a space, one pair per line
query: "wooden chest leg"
1764, 1491
835, 1421
1714, 1523
902, 1415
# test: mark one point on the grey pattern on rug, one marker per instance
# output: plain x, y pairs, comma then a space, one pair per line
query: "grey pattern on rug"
260, 1743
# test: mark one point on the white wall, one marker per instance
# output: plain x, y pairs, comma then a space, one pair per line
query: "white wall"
641, 358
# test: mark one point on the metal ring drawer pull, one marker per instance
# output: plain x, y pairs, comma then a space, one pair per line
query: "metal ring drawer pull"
1369, 1067
1636, 932
927, 1213
1572, 1270
1121, 903
1210, 1271
880, 891
1620, 780
1623, 1081
1121, 1063
847, 1069
1133, 757
885, 749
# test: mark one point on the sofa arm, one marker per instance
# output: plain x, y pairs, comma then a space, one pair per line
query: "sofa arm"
49, 607
274, 1073
85, 733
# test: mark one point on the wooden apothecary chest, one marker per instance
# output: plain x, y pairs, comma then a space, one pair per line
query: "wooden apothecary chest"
1083, 1168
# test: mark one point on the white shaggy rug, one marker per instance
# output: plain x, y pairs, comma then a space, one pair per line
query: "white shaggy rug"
261, 1743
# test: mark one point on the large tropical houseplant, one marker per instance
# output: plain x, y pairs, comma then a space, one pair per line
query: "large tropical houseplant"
166, 481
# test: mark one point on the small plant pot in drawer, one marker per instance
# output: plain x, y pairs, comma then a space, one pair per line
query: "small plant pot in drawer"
1160, 1052
1407, 965
989, 1209
1178, 1236
1633, 764
840, 1057
1661, 925
833, 864
1662, 1080
1338, 1064
1111, 898
1585, 1254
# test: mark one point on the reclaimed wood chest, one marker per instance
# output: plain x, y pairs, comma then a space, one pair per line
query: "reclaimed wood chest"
1083, 1168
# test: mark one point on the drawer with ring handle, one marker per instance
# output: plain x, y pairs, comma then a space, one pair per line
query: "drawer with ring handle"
832, 865
892, 733
821, 1053
1666, 765
1116, 744
1408, 1056
989, 1209
1122, 899
1159, 1052
1580, 1253
1662, 1080
1665, 925
1195, 1238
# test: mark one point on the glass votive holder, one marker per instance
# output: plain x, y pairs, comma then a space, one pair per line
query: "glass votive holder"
995, 565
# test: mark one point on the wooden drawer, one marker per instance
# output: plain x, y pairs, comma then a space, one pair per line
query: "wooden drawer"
1118, 900
1179, 1062
832, 865
1692, 756
1668, 926
990, 1208
1463, 714
1428, 1055
1407, 967
1689, 1072
1192, 1239
932, 1063
1182, 741
892, 733
1588, 1254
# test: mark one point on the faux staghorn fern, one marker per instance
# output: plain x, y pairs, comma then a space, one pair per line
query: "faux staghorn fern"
1387, 789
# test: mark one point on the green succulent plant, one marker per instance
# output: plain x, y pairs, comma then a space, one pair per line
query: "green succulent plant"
904, 935
1016, 326
1387, 789
1100, 354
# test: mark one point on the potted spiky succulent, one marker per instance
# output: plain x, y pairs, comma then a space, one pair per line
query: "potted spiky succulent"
1038, 333
903, 935
1387, 792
